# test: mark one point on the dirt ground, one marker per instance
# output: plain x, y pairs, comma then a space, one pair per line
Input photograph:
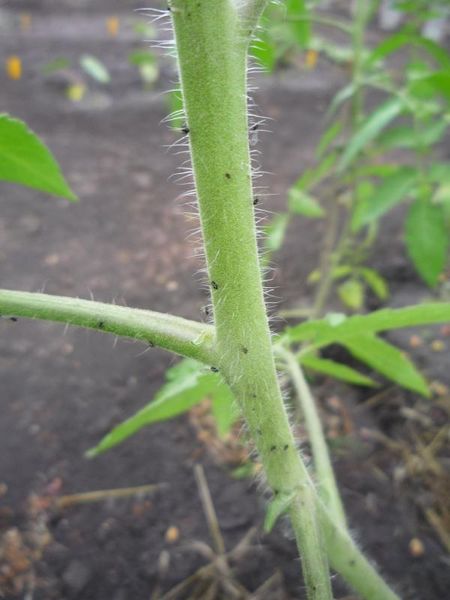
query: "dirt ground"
127, 241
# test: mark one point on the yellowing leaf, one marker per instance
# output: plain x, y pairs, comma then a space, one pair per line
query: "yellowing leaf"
14, 67
112, 26
311, 59
351, 294
76, 92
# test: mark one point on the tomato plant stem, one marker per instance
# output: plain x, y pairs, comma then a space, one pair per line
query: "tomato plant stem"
181, 336
212, 55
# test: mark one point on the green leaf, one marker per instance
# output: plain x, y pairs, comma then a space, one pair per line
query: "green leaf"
335, 52
95, 68
396, 41
141, 57
336, 370
24, 159
300, 26
387, 360
265, 51
351, 293
328, 138
187, 385
279, 505
342, 96
379, 119
436, 83
144, 30
427, 239
55, 65
439, 172
275, 232
378, 170
317, 173
405, 137
303, 204
374, 280
393, 189
184, 368
442, 198
336, 326
363, 192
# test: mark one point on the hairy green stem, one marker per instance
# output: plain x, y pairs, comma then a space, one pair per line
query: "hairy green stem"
327, 484
212, 55
348, 560
343, 553
181, 336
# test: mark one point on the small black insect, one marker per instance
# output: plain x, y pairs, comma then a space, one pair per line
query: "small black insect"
101, 324
214, 369
254, 127
273, 448
214, 285
255, 201
244, 350
206, 310
14, 319
185, 129
227, 175
151, 344
285, 447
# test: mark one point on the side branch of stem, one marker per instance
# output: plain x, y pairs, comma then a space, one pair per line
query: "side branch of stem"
178, 335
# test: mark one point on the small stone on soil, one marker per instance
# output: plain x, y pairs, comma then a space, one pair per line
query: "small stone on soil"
77, 576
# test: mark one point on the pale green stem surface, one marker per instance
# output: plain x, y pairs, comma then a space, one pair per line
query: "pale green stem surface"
348, 560
212, 60
184, 337
326, 480
212, 54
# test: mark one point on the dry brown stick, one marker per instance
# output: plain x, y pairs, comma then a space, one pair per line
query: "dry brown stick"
99, 495
259, 593
434, 520
208, 507
183, 585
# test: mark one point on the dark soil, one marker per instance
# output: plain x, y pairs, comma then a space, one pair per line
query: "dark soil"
127, 241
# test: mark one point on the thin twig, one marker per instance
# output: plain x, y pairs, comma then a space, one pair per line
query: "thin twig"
99, 495
208, 507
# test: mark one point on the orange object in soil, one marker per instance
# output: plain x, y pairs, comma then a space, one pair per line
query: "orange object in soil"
14, 67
